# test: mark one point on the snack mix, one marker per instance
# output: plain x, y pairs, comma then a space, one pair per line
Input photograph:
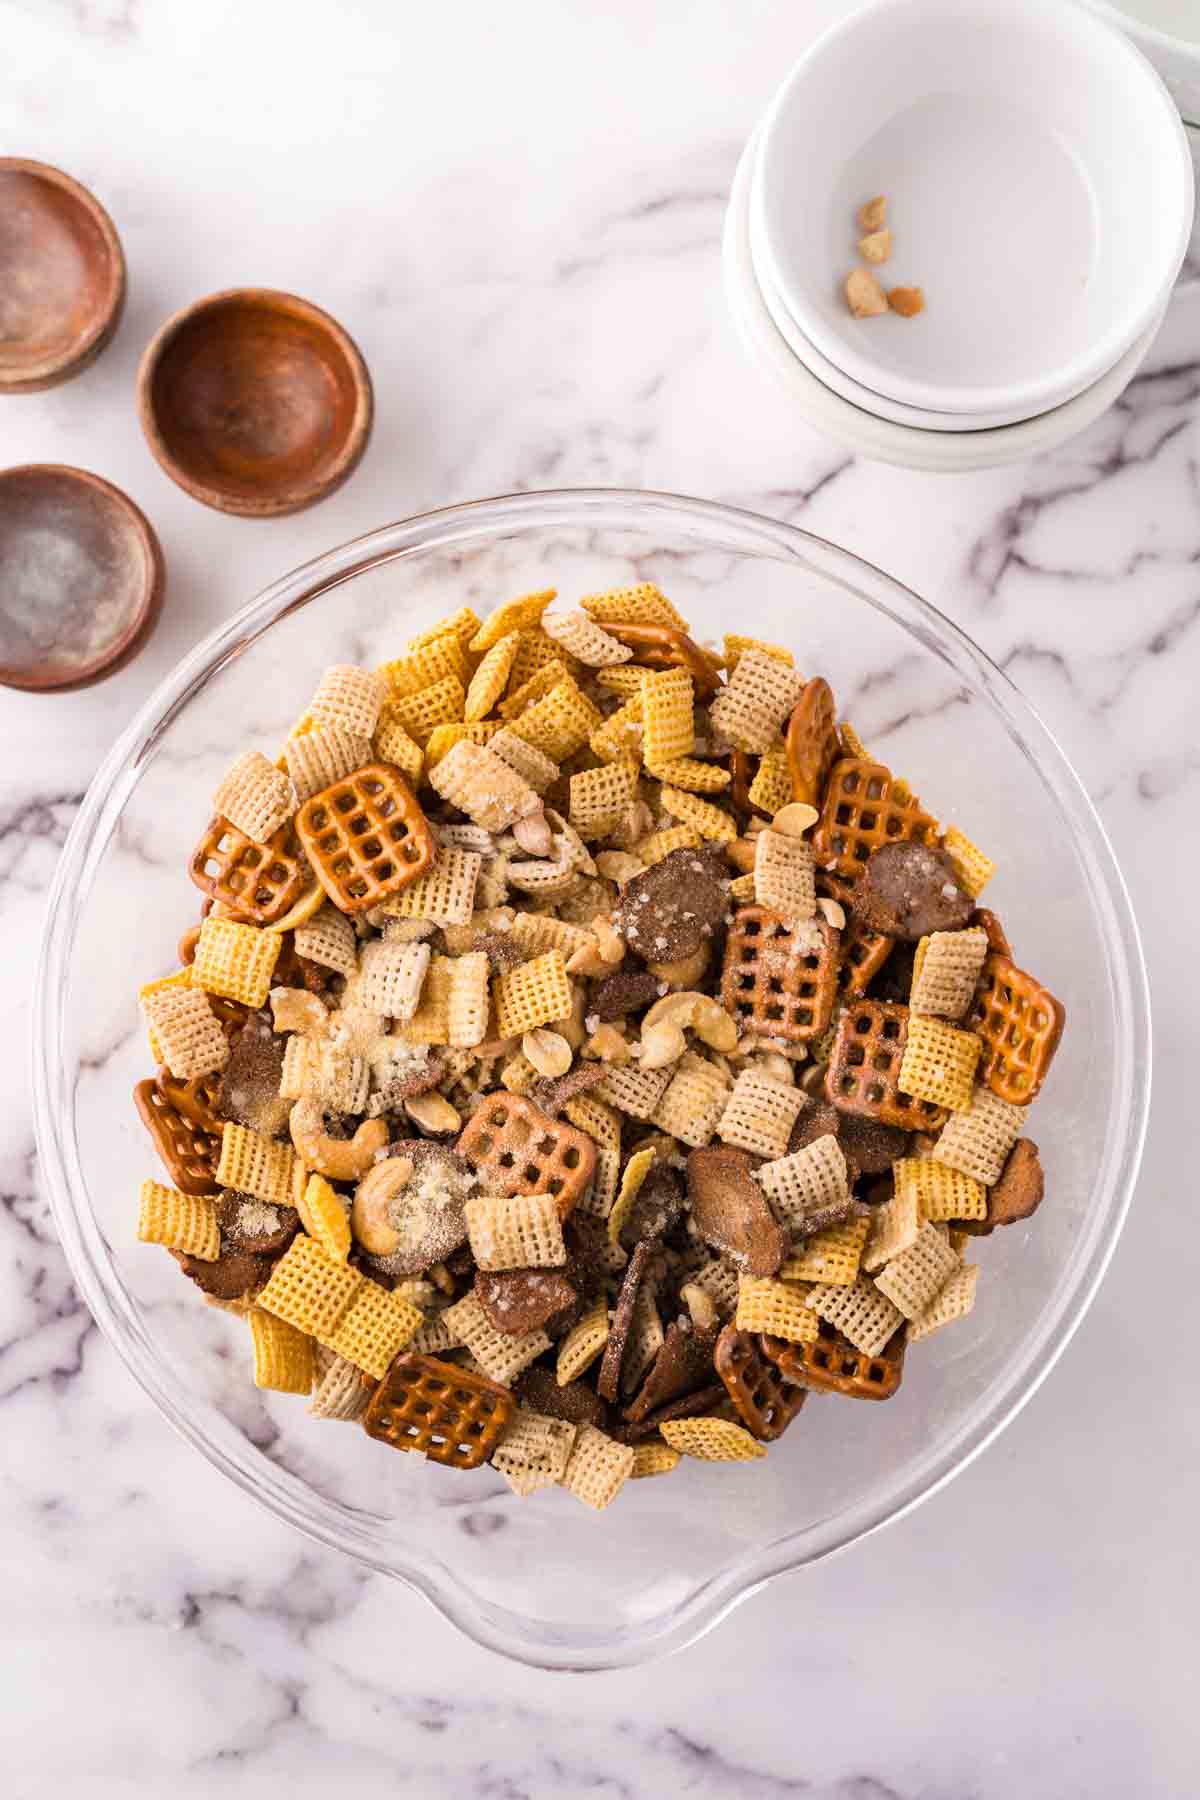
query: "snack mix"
587, 1050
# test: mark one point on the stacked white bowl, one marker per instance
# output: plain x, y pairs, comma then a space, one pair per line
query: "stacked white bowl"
1039, 191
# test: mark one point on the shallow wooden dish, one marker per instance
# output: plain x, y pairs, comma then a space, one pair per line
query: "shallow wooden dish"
255, 402
62, 276
81, 577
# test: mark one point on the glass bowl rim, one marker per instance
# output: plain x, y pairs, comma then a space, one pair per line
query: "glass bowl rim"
340, 1527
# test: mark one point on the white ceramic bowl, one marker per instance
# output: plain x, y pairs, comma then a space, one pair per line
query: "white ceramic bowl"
919, 417
1167, 32
884, 441
1039, 187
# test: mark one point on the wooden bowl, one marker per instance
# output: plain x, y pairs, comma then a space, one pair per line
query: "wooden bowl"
62, 277
255, 402
81, 577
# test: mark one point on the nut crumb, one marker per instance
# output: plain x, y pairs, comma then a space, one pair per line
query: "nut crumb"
872, 215
864, 296
907, 301
876, 247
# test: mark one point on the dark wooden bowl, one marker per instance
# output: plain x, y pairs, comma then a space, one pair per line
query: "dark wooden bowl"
81, 577
255, 402
62, 277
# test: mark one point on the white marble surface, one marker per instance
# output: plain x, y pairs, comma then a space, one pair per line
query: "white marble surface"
517, 212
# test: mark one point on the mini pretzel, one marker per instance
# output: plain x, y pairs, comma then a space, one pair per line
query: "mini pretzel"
519, 1150
831, 1364
186, 1136
765, 1403
864, 806
255, 882
863, 1076
447, 1413
812, 741
779, 981
665, 647
366, 837
1020, 1023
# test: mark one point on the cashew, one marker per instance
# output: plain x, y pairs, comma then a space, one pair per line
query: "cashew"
370, 1215
572, 1027
686, 972
774, 1065
295, 1009
441, 1278
699, 1305
794, 819
433, 1113
831, 912
408, 931
607, 1044
588, 961
664, 1024
341, 1159
548, 1051
533, 834
620, 866
609, 940
636, 822
741, 854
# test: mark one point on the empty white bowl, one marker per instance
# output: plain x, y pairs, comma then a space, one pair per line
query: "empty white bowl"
864, 432
1039, 189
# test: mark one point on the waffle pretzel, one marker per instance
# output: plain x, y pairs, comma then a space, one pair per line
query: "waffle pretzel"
765, 1403
1020, 1023
187, 1141
812, 746
831, 1364
774, 983
518, 1149
666, 647
863, 1076
366, 837
447, 1413
254, 882
864, 807
864, 953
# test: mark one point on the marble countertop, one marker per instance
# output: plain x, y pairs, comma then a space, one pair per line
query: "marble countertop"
517, 213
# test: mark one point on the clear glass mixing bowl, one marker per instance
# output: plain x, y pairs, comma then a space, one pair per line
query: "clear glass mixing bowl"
546, 1580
